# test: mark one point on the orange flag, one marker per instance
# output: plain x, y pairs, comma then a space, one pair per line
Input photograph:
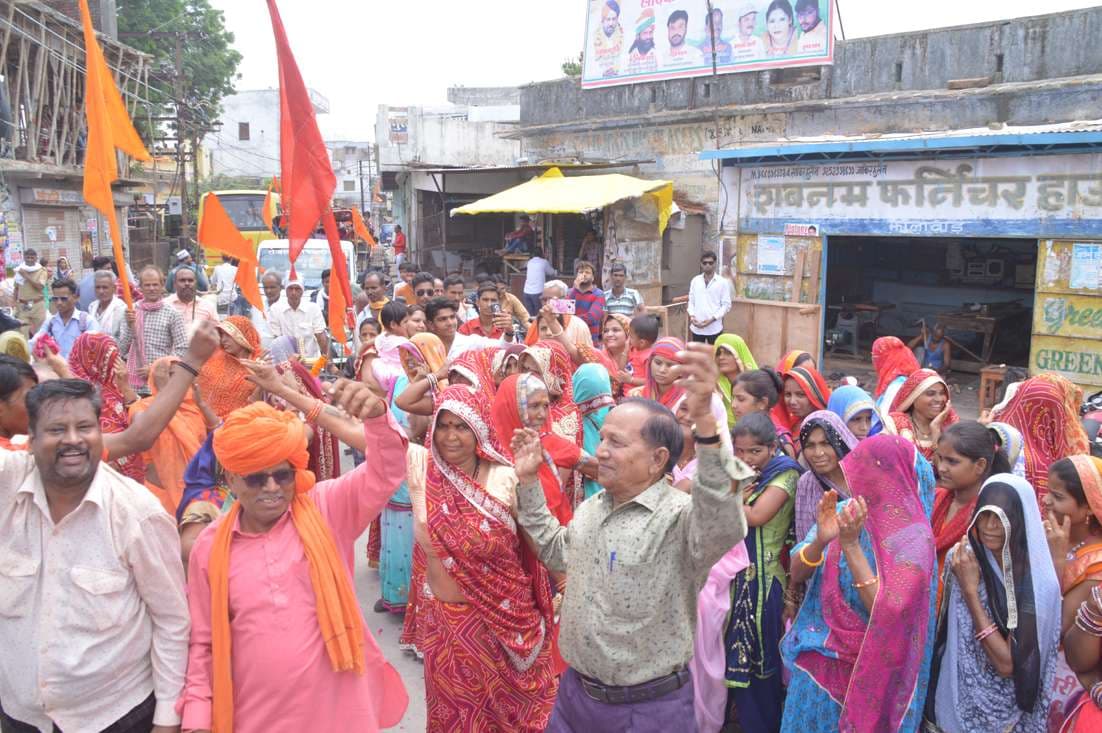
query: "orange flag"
217, 231
266, 214
109, 128
340, 289
360, 227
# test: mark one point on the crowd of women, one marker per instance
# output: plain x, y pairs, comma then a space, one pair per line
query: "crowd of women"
903, 568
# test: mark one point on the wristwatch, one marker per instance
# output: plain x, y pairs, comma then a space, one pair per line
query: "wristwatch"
709, 440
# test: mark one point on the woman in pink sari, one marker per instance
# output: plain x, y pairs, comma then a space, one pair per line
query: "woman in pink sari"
860, 648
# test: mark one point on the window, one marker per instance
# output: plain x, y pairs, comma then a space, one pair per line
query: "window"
350, 185
242, 130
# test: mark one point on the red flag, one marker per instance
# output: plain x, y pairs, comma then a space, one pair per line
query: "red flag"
109, 128
217, 231
307, 175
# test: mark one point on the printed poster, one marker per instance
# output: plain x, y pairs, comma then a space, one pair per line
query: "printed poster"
630, 41
1085, 262
770, 255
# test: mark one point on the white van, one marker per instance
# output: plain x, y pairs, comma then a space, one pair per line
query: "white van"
273, 254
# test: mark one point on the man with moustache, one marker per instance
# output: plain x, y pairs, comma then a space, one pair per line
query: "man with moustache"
747, 45
681, 55
608, 40
813, 35
641, 56
95, 618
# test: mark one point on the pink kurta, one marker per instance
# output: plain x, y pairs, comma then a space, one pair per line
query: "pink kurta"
282, 677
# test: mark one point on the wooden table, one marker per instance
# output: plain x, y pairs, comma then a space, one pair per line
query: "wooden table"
978, 322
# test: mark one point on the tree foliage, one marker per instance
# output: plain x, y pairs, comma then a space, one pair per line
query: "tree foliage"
209, 59
572, 67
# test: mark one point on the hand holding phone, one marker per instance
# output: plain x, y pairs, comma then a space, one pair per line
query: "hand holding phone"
562, 306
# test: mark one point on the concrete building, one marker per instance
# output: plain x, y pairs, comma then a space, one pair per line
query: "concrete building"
354, 166
890, 153
433, 159
247, 144
42, 131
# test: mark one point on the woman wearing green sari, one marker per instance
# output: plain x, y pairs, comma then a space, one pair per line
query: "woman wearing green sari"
733, 357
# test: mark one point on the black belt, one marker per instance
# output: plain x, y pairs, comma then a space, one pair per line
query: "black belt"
635, 693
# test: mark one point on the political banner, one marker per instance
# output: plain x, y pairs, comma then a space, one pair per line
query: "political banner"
630, 41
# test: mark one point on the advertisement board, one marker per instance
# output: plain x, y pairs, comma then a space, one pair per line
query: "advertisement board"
629, 41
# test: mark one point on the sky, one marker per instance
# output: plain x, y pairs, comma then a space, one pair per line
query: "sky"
363, 53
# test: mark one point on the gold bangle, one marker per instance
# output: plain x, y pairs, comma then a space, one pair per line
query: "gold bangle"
822, 558
315, 411
866, 583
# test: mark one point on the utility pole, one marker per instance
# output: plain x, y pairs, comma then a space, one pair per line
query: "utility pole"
361, 167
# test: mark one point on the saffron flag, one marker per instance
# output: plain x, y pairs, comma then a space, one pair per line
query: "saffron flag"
307, 176
266, 214
109, 129
340, 296
217, 231
360, 227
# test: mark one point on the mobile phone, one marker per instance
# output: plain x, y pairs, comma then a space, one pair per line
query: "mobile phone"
564, 306
495, 308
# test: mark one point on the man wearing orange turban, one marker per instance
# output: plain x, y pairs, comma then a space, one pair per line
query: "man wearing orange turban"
278, 641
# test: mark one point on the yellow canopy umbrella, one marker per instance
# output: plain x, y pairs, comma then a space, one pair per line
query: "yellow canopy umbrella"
553, 193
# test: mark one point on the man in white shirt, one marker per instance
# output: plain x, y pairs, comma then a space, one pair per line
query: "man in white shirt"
271, 282
536, 274
222, 283
709, 301
186, 301
301, 320
108, 310
94, 614
456, 290
680, 55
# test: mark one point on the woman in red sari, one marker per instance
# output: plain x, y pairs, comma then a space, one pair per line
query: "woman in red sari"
1045, 410
95, 358
487, 619
550, 361
921, 410
893, 362
805, 392
475, 368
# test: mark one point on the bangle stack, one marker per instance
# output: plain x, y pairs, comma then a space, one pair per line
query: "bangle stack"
434, 383
1087, 620
1096, 694
315, 411
986, 632
866, 583
822, 558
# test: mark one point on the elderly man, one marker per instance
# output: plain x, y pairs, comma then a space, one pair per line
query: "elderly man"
153, 330
301, 320
68, 323
108, 309
30, 293
95, 618
636, 555
271, 282
294, 655
184, 260
86, 289
186, 301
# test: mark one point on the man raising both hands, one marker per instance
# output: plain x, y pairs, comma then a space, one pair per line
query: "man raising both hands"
637, 540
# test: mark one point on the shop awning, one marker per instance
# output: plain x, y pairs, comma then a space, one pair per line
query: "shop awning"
553, 193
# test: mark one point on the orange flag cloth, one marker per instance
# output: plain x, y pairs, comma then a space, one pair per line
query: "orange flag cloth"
359, 226
109, 128
217, 231
253, 439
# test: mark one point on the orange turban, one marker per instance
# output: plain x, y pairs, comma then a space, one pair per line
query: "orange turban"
253, 439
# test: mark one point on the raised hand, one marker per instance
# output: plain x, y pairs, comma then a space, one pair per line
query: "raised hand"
827, 518
527, 454
850, 521
1058, 535
697, 375
355, 398
204, 342
263, 375
965, 567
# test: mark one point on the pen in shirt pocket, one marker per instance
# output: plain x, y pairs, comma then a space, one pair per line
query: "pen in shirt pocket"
611, 560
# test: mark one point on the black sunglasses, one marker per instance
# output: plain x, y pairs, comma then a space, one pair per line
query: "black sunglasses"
283, 477
423, 292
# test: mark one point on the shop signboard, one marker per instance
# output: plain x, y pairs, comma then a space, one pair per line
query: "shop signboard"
1067, 312
1032, 196
631, 41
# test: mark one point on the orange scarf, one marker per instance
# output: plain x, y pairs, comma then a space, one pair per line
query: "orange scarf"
253, 439
175, 447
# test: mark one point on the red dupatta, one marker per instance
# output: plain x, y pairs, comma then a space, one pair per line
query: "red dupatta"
477, 367
666, 347
900, 412
511, 401
95, 358
1045, 409
557, 371
813, 385
891, 359
475, 536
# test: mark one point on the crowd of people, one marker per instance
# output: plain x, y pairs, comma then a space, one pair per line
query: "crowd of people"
586, 524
